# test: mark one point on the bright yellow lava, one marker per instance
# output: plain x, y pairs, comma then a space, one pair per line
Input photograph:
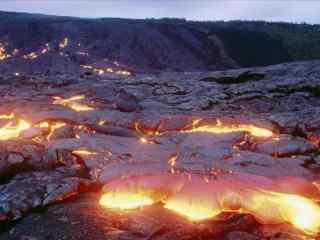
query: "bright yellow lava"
192, 211
12, 130
72, 103
7, 116
266, 207
220, 128
84, 152
124, 200
300, 212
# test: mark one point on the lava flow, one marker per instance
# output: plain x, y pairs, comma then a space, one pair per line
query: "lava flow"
269, 201
123, 200
84, 152
73, 103
12, 129
221, 128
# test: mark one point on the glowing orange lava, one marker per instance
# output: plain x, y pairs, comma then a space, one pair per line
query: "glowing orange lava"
221, 128
301, 212
7, 116
72, 103
101, 71
197, 199
54, 127
84, 152
193, 211
123, 200
13, 129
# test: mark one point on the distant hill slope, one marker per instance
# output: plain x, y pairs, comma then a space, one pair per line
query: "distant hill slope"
151, 45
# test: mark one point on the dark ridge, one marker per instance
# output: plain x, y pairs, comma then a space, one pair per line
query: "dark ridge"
152, 45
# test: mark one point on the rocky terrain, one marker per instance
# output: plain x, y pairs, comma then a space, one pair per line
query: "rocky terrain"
66, 142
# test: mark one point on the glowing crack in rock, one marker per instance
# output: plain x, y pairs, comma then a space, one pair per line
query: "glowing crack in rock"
84, 152
73, 103
221, 128
270, 201
53, 127
13, 129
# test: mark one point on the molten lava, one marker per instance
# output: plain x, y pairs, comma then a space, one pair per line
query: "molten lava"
84, 152
193, 211
101, 71
123, 200
54, 127
13, 129
7, 116
301, 212
73, 103
221, 128
269, 201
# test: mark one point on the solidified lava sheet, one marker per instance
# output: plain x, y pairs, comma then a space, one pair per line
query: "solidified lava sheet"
115, 155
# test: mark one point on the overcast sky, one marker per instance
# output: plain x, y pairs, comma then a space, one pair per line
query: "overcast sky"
269, 10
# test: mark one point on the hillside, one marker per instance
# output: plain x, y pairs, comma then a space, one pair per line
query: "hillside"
61, 44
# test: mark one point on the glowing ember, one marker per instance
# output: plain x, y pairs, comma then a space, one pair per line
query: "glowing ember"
125, 200
123, 72
3, 54
72, 103
31, 56
13, 130
101, 71
64, 43
102, 122
84, 152
220, 128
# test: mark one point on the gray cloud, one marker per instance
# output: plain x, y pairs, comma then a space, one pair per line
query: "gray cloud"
269, 10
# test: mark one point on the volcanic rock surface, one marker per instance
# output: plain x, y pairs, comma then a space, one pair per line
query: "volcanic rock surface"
83, 133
